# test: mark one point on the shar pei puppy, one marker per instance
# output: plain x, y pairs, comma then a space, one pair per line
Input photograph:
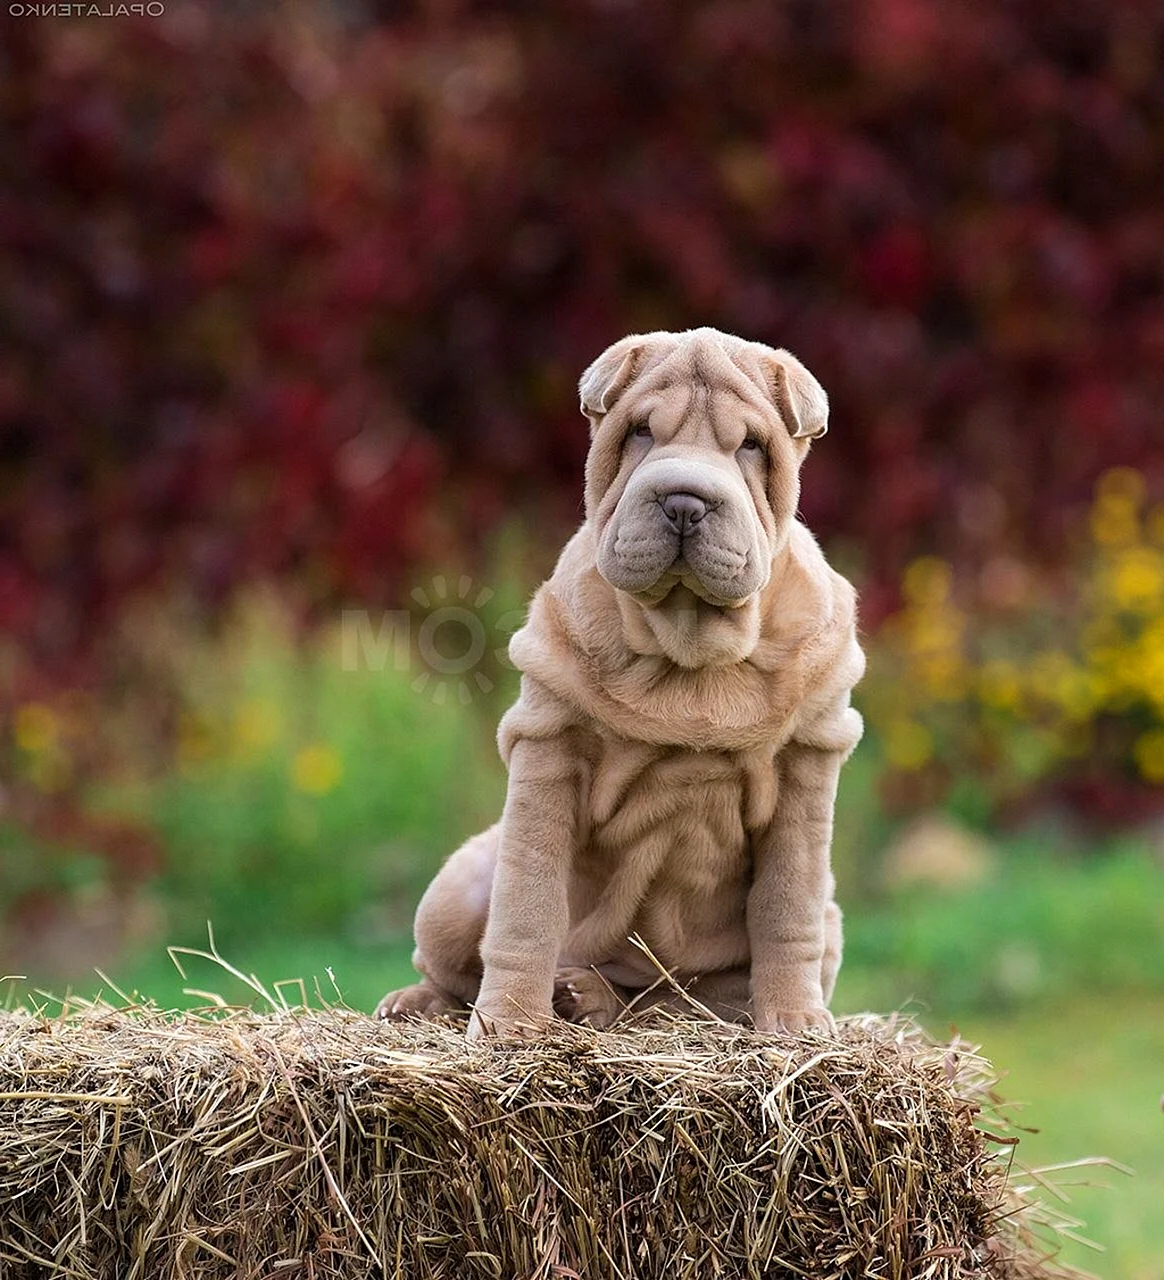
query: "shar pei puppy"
684, 713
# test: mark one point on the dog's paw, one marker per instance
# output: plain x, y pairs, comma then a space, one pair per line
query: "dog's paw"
794, 1021
422, 1000
484, 1024
585, 996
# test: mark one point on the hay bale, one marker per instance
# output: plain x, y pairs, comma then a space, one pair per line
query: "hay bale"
320, 1144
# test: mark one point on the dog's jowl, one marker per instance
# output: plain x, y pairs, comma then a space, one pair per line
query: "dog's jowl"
683, 717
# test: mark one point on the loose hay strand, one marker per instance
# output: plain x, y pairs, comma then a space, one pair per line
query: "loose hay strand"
47, 1095
135, 1142
321, 1156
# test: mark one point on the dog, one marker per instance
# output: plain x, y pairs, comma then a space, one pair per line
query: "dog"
684, 713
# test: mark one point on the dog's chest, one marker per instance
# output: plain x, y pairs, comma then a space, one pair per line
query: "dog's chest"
692, 799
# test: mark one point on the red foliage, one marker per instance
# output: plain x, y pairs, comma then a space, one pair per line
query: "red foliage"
287, 297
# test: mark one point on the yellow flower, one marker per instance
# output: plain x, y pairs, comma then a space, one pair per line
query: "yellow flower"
195, 740
1115, 514
908, 744
1114, 522
1057, 680
1135, 579
316, 769
1000, 685
1122, 483
1101, 636
927, 581
256, 725
943, 676
934, 631
1047, 670
1152, 662
35, 727
1105, 689
1148, 752
1144, 666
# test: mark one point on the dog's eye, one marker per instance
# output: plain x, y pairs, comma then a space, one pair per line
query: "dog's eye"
752, 445
640, 431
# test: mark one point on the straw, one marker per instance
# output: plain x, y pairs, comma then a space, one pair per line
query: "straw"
136, 1142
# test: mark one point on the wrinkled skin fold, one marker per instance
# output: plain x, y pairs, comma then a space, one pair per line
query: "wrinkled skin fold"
684, 713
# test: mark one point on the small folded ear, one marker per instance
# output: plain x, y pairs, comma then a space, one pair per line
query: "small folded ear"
608, 377
801, 400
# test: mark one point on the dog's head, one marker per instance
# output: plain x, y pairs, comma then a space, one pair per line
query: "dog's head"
693, 472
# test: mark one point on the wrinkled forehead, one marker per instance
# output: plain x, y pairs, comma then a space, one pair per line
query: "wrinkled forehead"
696, 382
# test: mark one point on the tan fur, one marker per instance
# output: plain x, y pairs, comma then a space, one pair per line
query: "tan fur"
684, 713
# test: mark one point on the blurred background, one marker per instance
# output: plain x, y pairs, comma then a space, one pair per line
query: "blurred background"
293, 303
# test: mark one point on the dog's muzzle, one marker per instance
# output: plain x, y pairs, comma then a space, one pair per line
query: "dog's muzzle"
681, 519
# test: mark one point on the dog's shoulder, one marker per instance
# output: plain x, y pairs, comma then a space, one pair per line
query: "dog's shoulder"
813, 615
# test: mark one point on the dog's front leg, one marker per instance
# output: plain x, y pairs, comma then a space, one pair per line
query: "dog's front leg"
528, 907
791, 888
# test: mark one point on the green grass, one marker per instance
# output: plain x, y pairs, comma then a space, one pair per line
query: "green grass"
1040, 928
1089, 1074
308, 969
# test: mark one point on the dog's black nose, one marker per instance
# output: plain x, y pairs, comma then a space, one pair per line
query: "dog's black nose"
683, 511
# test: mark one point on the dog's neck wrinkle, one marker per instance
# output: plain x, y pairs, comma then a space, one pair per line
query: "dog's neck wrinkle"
688, 631
647, 696
691, 633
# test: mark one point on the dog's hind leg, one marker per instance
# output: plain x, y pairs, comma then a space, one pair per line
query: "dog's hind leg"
450, 922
